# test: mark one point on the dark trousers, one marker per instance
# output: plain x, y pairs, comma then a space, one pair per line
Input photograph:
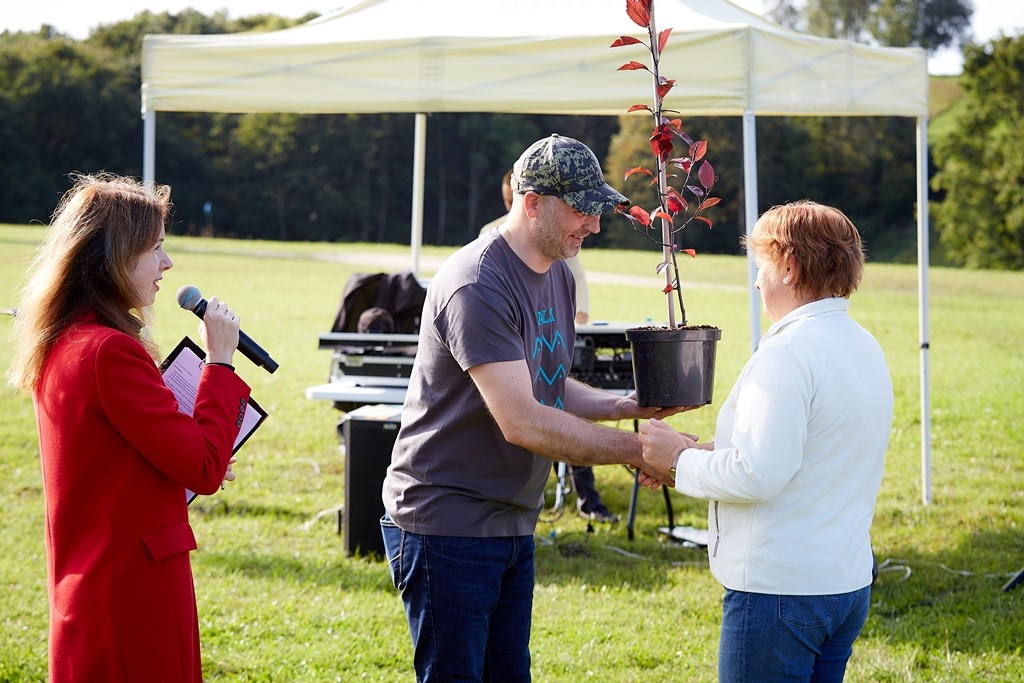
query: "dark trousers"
588, 500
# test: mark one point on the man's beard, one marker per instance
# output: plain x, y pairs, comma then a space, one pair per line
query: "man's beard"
552, 242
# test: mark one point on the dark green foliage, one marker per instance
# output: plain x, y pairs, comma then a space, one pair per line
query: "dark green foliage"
865, 166
73, 106
629, 148
70, 105
980, 218
931, 24
63, 107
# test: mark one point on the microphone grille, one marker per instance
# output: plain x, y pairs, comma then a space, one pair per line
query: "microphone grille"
189, 296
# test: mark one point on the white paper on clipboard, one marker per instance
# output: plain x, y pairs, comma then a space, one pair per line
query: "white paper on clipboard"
181, 371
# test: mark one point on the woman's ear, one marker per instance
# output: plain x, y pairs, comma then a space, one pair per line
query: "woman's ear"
792, 270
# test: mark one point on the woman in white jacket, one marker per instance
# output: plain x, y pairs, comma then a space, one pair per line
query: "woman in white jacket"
794, 470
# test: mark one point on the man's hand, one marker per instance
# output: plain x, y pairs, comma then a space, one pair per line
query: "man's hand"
633, 410
650, 482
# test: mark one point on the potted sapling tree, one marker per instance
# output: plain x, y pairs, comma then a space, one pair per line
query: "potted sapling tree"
673, 365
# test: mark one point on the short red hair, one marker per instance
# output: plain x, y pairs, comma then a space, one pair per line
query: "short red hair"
824, 243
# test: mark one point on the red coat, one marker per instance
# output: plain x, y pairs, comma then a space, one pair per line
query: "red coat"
116, 458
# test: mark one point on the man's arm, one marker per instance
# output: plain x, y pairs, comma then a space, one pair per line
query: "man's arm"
591, 403
507, 390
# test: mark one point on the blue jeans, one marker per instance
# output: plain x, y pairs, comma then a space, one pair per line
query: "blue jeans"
775, 638
468, 601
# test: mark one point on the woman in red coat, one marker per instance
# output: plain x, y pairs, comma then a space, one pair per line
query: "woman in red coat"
116, 453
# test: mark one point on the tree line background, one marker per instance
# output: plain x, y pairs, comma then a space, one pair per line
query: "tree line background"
69, 105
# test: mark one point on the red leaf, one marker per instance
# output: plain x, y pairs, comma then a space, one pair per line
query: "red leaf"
626, 40
662, 39
639, 11
682, 163
706, 175
633, 66
699, 149
667, 289
661, 214
691, 252
673, 192
664, 86
638, 107
709, 202
675, 203
704, 219
661, 142
641, 215
676, 124
637, 169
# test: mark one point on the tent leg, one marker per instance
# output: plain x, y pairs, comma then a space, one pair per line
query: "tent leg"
922, 299
750, 214
419, 174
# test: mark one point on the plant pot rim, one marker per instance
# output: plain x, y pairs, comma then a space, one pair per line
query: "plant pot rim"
656, 328
691, 334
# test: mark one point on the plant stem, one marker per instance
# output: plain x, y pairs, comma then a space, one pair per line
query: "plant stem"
678, 290
667, 241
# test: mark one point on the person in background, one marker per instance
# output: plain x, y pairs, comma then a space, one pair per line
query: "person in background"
489, 406
588, 499
794, 471
116, 453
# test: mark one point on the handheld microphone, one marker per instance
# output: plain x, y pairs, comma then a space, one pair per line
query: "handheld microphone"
190, 299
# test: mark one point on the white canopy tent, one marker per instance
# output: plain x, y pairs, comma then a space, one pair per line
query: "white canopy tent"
545, 57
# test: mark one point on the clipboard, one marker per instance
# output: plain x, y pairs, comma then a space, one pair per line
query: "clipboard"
181, 370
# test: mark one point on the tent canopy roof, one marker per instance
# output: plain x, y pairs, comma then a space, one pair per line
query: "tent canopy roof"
528, 56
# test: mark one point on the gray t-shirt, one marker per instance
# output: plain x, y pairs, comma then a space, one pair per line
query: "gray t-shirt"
452, 472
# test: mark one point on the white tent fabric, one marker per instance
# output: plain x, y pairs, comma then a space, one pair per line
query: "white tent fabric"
527, 56
544, 57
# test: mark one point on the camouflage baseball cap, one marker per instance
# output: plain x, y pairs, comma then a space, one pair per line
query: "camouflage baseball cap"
567, 169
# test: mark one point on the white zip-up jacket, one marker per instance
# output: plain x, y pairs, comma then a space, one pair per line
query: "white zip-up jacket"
799, 451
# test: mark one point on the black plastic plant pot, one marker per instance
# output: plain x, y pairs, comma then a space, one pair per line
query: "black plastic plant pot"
674, 367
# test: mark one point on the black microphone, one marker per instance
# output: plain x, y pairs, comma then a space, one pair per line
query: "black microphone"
190, 299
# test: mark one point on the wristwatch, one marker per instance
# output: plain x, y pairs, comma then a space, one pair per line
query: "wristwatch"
675, 462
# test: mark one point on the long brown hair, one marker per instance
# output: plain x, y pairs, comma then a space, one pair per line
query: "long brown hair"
99, 229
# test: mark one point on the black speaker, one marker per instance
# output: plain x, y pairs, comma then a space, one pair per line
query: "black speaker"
369, 433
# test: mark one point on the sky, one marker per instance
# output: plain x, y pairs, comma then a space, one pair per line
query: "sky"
75, 18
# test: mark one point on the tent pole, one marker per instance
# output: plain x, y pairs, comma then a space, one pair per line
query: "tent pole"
750, 194
922, 302
418, 177
148, 148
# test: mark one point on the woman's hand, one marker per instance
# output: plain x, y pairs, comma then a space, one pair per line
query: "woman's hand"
229, 475
660, 444
219, 331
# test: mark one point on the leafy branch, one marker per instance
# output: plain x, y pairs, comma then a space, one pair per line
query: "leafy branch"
695, 174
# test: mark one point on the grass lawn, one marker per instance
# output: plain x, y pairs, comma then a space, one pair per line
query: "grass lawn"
280, 601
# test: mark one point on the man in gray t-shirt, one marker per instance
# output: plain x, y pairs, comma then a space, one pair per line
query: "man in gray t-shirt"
489, 406
588, 498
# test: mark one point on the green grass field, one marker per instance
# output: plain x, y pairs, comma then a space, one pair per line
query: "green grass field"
280, 601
